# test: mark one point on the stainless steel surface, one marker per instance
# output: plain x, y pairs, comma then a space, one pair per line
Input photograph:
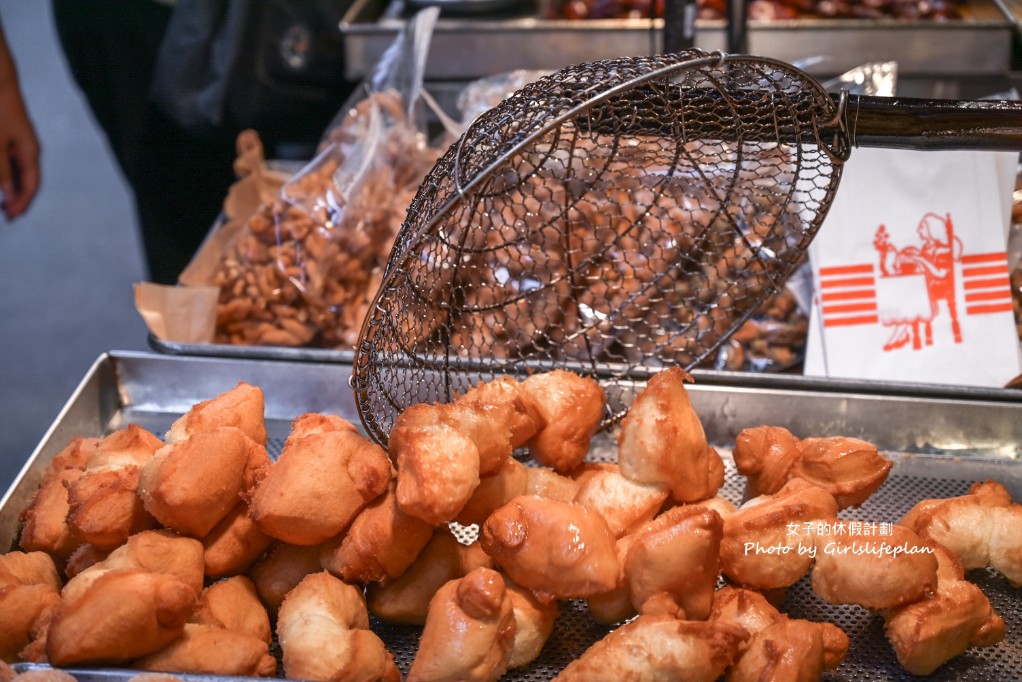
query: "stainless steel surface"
869, 657
467, 48
226, 350
959, 425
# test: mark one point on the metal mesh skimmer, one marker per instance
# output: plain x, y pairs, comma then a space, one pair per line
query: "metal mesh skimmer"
612, 218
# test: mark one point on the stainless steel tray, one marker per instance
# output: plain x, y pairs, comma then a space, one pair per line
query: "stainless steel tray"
941, 438
468, 48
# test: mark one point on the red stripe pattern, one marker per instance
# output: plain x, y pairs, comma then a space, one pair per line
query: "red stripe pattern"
986, 284
848, 295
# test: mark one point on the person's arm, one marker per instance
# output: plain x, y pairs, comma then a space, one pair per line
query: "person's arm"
19, 148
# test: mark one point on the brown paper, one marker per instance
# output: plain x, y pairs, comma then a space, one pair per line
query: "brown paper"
178, 314
187, 313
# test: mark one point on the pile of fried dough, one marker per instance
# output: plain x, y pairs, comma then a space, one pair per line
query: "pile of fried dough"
195, 553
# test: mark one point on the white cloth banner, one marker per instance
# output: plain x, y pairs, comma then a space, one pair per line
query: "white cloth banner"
910, 271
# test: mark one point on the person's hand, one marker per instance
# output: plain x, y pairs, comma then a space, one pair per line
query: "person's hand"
19, 152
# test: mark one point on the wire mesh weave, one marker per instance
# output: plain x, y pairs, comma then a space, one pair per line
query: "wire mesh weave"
612, 218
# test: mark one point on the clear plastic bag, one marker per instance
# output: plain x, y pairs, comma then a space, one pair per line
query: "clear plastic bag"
305, 266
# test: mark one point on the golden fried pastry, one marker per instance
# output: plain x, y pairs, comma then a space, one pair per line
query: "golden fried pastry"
380, 544
122, 615
850, 469
677, 553
768, 543
437, 467
662, 441
82, 558
193, 483
787, 650
312, 423
495, 490
622, 502
44, 521
318, 485
29, 591
155, 551
485, 427
323, 630
556, 549
241, 407
29, 568
874, 571
659, 648
765, 455
570, 408
103, 506
280, 569
7, 673
957, 615
211, 650
981, 528
550, 485
46, 675
155, 677
233, 604
723, 507
534, 621
75, 455
469, 631
779, 648
234, 543
510, 404
406, 599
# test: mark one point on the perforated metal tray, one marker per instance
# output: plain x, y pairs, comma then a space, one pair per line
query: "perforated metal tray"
941, 439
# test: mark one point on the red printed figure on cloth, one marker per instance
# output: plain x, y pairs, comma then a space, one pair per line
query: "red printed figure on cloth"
925, 277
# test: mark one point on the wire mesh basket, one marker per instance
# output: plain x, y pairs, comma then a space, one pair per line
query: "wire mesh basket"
615, 218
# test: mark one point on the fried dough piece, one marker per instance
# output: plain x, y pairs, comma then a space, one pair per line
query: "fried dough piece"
556, 549
957, 615
242, 407
780, 648
233, 604
82, 558
485, 427
469, 631
124, 614
318, 485
212, 650
312, 423
510, 404
29, 568
534, 621
280, 569
495, 490
622, 502
768, 543
850, 469
659, 648
234, 543
192, 484
44, 521
765, 455
406, 599
550, 485
875, 572
982, 527
668, 565
323, 630
677, 553
45, 675
29, 591
103, 506
437, 466
154, 551
570, 408
723, 507
662, 441
380, 544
